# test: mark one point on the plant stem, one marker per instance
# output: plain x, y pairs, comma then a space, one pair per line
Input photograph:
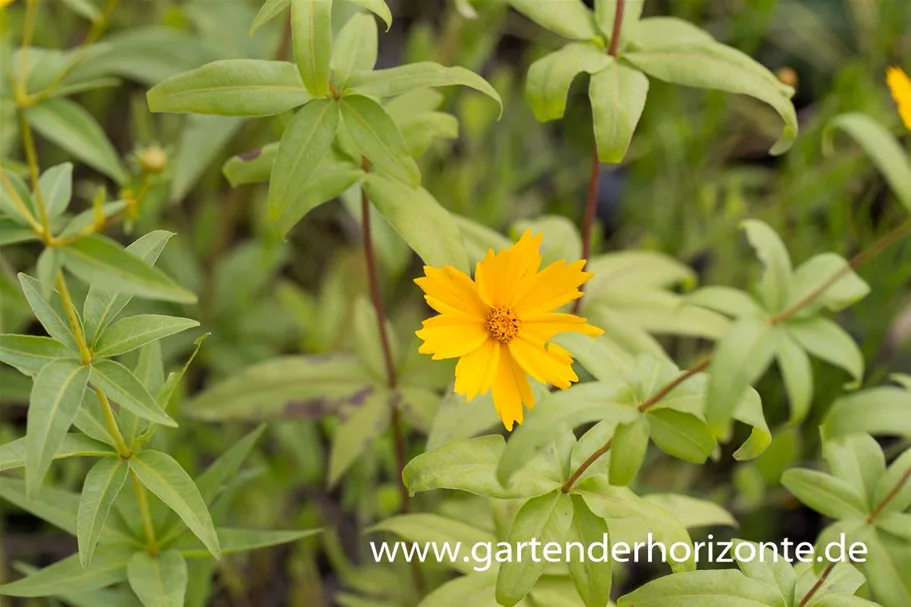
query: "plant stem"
22, 207
145, 513
591, 200
860, 259
856, 262
568, 485
34, 170
28, 32
892, 495
75, 325
822, 580
113, 429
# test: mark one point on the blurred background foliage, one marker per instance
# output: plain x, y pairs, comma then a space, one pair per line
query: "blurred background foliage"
698, 166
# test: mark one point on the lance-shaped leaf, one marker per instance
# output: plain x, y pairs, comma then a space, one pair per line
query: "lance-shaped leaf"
232, 87
71, 127
630, 443
882, 148
136, 331
894, 489
824, 339
682, 435
269, 10
699, 588
591, 576
68, 576
547, 519
311, 24
55, 400
404, 78
883, 410
234, 541
475, 590
12, 232
15, 198
569, 18
254, 166
202, 139
617, 96
797, 373
100, 261
550, 77
49, 312
159, 581
164, 477
101, 487
825, 493
378, 8
102, 307
716, 66
304, 144
376, 137
56, 185
358, 432
776, 277
859, 460
420, 220
471, 465
119, 383
12, 454
30, 353
355, 49
817, 272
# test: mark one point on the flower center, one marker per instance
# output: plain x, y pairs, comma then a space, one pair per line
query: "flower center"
503, 324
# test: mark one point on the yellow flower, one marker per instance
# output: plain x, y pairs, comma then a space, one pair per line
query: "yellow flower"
900, 85
5, 3
500, 324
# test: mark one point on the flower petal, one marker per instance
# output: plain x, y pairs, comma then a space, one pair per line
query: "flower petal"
555, 286
452, 288
500, 275
544, 327
900, 85
510, 390
546, 366
451, 340
475, 371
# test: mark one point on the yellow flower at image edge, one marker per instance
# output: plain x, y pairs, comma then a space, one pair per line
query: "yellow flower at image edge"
500, 324
5, 3
900, 85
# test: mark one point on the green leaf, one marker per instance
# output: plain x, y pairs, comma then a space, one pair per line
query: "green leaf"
12, 454
234, 541
895, 485
550, 77
201, 141
87, 219
311, 23
67, 124
50, 313
824, 493
816, 272
562, 411
85, 8
100, 261
592, 577
102, 307
304, 144
630, 443
30, 353
68, 576
725, 300
431, 232
427, 528
136, 331
286, 387
355, 435
691, 511
12, 232
101, 487
56, 396
232, 87
471, 465
715, 66
405, 78
334, 175
667, 32
698, 588
887, 566
877, 411
378, 138
475, 590
770, 568
226, 467
269, 10
740, 358
164, 477
882, 148
569, 18
8, 197
774, 287
617, 96
857, 459
56, 185
546, 518
159, 581
254, 166
798, 376
681, 435
355, 49
824, 339
378, 8
119, 383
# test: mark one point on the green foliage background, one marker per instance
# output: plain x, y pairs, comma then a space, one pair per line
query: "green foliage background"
705, 244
